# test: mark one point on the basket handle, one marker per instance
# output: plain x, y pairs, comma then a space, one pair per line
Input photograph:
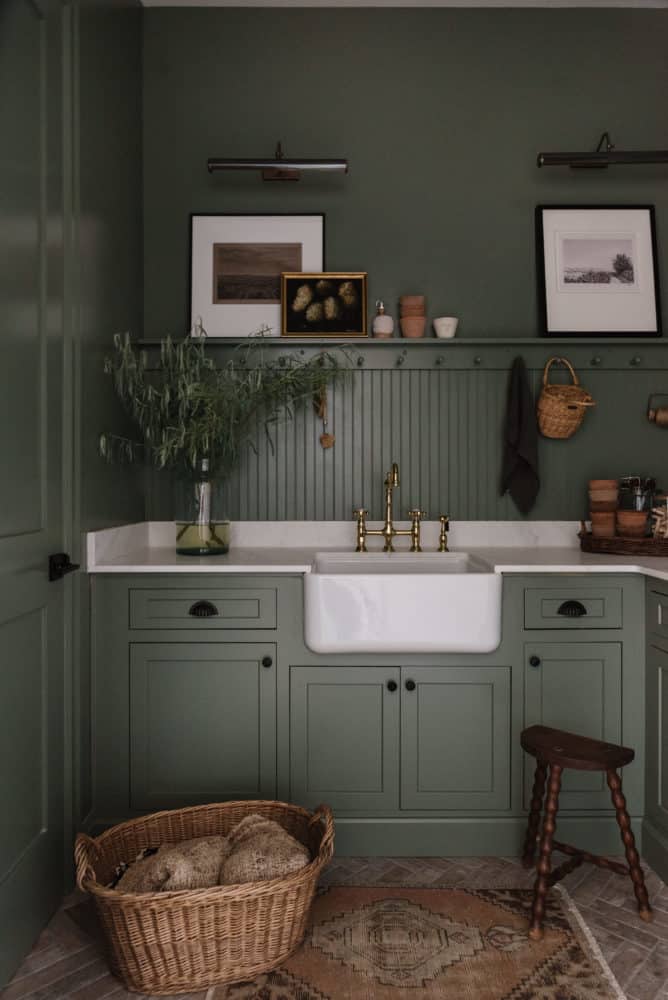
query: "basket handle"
323, 814
83, 847
561, 361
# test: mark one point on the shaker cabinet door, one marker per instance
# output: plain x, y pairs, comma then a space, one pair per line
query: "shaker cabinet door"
455, 738
344, 737
657, 733
202, 723
575, 686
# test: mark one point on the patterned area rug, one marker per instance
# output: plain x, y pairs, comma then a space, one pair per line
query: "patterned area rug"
436, 944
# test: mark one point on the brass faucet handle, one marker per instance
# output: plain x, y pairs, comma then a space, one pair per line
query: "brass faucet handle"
418, 513
443, 535
360, 512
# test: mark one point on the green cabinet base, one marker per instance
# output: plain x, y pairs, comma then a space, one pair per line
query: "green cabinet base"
461, 838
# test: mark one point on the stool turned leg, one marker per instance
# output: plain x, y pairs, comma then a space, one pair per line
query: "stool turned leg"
544, 865
529, 852
635, 871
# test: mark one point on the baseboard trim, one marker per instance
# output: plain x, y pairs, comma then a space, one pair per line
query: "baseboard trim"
492, 837
655, 848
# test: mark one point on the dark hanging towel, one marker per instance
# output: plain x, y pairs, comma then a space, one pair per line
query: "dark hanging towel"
519, 474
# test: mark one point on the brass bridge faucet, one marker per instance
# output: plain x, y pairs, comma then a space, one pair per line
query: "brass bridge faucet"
388, 531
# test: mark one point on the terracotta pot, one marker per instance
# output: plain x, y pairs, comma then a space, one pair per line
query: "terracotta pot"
632, 523
603, 495
413, 326
603, 484
603, 524
599, 506
412, 310
412, 300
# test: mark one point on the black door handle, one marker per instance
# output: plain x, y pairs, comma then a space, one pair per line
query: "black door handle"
267, 661
391, 685
410, 685
60, 565
572, 609
203, 609
534, 661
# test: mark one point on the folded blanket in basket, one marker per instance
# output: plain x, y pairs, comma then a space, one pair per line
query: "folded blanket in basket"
191, 864
261, 849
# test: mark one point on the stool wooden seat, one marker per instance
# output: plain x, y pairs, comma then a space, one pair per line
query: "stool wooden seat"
556, 750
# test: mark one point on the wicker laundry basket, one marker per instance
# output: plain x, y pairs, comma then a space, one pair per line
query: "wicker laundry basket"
179, 942
561, 408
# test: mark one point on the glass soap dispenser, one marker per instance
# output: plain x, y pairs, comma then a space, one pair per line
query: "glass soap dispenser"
383, 325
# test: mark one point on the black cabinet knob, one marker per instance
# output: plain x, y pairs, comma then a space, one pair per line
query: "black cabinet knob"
392, 685
410, 685
534, 661
572, 609
267, 661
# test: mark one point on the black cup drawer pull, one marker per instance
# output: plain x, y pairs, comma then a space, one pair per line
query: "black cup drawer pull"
203, 609
572, 609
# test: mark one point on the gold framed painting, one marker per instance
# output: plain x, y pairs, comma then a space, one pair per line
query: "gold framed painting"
324, 304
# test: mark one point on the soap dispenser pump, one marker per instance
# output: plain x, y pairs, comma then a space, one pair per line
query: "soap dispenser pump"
383, 325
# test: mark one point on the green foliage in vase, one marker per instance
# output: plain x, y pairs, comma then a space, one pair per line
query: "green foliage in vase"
187, 409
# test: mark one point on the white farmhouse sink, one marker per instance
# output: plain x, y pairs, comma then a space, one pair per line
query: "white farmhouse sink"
401, 602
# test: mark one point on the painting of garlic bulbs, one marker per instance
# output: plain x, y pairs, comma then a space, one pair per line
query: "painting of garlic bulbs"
324, 304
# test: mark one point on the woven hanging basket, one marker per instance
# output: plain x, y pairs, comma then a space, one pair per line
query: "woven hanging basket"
561, 408
180, 942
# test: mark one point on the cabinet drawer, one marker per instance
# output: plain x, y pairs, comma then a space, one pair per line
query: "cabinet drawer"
657, 613
594, 607
208, 608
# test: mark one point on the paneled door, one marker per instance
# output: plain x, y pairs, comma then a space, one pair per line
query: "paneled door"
344, 737
576, 686
31, 476
202, 722
455, 738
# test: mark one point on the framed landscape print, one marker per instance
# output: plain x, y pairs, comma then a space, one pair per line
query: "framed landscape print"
597, 271
324, 304
236, 265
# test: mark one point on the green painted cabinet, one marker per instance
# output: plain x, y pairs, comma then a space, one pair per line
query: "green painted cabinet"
455, 737
411, 738
344, 736
575, 686
202, 722
655, 827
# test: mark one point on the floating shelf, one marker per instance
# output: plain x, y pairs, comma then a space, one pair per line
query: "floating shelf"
446, 344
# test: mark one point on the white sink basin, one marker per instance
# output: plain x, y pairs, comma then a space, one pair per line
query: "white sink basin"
401, 602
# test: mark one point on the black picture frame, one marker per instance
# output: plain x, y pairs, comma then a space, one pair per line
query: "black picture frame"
338, 298
552, 279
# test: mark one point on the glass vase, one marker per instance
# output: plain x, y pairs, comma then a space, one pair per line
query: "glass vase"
200, 528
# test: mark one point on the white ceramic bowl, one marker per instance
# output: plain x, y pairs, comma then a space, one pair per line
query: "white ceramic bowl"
445, 326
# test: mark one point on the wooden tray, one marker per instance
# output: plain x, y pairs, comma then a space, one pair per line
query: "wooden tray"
624, 546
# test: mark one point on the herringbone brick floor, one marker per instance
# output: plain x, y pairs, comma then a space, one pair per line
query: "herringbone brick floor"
66, 962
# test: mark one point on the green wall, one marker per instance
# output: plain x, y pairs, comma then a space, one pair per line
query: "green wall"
441, 114
106, 295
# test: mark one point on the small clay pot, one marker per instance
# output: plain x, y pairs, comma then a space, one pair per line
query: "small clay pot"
413, 326
412, 310
603, 495
603, 524
600, 506
632, 523
412, 300
603, 484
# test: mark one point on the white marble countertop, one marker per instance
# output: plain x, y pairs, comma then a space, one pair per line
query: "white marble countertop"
289, 547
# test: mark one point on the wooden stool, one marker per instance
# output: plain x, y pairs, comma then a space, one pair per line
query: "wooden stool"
557, 749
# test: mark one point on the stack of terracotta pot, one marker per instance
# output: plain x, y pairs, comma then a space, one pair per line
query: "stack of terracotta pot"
413, 315
603, 500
